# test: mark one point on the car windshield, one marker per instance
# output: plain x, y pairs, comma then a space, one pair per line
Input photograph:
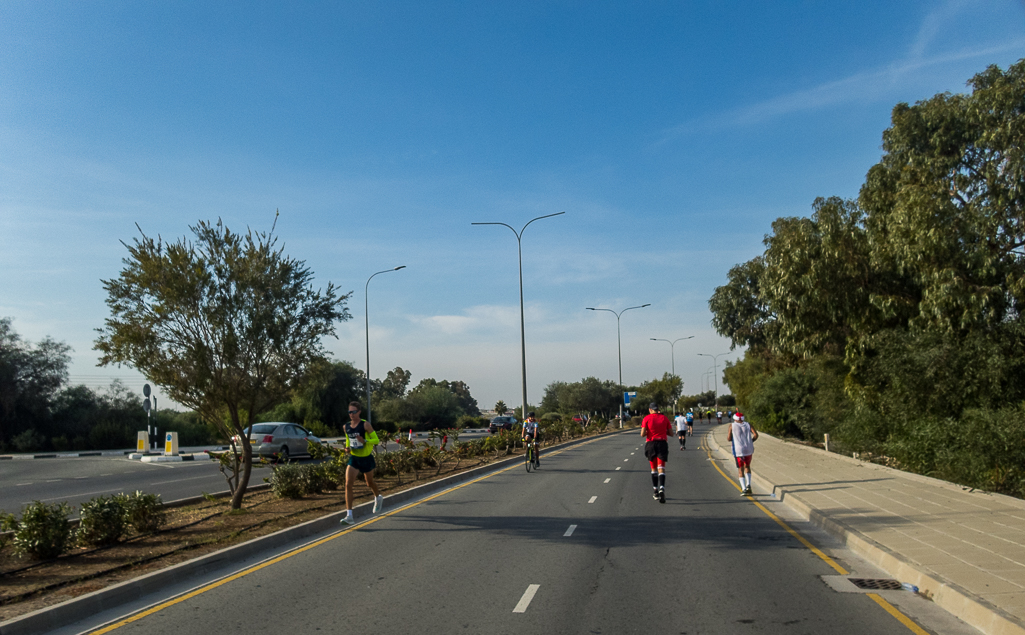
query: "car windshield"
264, 428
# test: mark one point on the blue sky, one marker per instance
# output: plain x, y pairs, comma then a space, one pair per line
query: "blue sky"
671, 133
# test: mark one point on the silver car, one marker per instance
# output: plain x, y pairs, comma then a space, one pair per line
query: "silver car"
278, 439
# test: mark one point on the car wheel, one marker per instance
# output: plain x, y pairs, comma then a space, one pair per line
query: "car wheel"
283, 454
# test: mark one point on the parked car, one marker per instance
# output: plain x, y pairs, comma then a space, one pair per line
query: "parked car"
502, 423
278, 439
581, 419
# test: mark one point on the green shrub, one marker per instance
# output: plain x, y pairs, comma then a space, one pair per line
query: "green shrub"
44, 531
145, 511
103, 521
8, 525
295, 481
286, 481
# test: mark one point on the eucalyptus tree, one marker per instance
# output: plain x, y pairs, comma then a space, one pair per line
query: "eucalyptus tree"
226, 324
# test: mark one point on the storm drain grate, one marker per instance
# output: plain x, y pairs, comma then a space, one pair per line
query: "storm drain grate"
876, 584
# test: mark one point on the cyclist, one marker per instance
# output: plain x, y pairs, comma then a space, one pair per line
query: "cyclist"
532, 434
656, 429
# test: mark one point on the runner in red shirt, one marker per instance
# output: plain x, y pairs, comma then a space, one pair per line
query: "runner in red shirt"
656, 429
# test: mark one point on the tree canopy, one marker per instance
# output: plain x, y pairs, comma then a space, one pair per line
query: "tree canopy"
907, 300
226, 324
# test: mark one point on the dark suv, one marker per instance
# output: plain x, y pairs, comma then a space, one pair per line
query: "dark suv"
502, 423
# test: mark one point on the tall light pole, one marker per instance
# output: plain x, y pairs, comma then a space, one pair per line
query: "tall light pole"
619, 348
366, 295
715, 378
672, 354
523, 337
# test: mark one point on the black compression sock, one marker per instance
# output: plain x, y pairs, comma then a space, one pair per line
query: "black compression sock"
661, 480
654, 479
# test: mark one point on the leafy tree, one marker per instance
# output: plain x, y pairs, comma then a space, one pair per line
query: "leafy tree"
395, 384
227, 325
465, 401
322, 397
692, 401
945, 204
30, 378
550, 402
501, 408
662, 391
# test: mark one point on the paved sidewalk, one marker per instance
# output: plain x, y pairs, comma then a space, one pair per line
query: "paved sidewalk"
963, 548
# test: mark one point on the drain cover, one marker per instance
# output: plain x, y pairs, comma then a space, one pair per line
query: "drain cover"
876, 584
851, 584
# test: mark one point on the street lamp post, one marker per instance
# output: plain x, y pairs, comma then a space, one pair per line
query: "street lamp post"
672, 354
715, 377
707, 373
523, 337
619, 348
366, 296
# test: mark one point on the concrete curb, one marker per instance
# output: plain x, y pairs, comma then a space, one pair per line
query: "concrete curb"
82, 607
956, 600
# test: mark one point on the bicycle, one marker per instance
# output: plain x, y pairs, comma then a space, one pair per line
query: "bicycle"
530, 455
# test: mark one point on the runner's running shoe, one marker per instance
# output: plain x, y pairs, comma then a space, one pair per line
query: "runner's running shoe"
661, 495
378, 504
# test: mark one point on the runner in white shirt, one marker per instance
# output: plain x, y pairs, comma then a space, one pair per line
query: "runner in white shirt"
681, 430
742, 436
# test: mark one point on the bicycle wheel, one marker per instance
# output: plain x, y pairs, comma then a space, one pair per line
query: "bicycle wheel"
529, 456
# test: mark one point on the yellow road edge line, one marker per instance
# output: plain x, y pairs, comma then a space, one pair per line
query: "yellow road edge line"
294, 552
889, 608
900, 617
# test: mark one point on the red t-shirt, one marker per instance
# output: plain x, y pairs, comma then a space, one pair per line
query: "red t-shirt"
657, 427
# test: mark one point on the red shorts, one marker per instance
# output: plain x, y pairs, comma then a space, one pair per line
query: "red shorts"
743, 461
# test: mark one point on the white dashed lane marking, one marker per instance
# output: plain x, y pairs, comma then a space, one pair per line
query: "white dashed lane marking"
569, 532
607, 480
593, 498
618, 468
528, 595
625, 460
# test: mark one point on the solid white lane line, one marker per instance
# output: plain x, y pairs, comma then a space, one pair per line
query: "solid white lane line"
528, 595
618, 468
607, 480
593, 498
569, 532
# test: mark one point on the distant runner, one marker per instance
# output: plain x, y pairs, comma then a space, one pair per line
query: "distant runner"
742, 436
690, 423
656, 428
681, 430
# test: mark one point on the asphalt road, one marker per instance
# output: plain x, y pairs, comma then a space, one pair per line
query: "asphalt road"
577, 547
76, 480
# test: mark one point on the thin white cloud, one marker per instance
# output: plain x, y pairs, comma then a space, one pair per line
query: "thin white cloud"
865, 86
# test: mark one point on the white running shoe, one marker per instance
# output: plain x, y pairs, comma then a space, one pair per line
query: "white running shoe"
348, 520
378, 504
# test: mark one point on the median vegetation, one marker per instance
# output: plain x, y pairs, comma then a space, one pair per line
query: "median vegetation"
894, 322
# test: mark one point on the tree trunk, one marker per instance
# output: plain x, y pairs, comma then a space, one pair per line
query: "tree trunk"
243, 479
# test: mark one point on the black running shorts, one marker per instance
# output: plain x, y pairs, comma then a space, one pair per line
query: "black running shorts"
657, 449
363, 463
